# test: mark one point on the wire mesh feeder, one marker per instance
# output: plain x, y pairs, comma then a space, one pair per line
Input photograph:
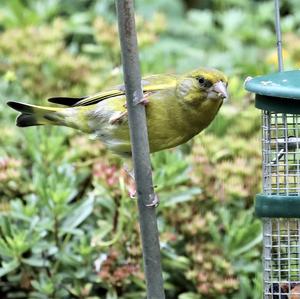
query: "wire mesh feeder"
281, 176
281, 258
281, 153
278, 96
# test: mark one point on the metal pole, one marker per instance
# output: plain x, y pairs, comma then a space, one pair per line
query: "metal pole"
140, 149
278, 35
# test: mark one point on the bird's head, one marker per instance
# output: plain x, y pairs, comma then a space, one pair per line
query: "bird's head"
201, 85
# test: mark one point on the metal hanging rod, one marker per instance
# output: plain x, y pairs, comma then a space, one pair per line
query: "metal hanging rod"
140, 149
278, 35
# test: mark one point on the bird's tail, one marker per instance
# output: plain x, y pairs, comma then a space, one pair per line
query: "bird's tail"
32, 115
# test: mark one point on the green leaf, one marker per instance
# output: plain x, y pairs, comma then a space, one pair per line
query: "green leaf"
176, 197
78, 214
112, 294
9, 267
134, 295
174, 261
5, 250
189, 295
35, 262
44, 285
248, 246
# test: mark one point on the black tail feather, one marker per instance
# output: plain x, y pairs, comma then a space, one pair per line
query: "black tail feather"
32, 115
24, 108
26, 120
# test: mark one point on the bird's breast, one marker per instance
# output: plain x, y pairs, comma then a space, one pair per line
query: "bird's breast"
171, 125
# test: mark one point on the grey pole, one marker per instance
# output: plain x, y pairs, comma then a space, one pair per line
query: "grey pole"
140, 149
278, 35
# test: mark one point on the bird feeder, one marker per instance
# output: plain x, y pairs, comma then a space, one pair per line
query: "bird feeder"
278, 97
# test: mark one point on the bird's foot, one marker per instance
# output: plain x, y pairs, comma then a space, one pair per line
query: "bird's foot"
144, 100
153, 197
132, 193
131, 187
116, 117
154, 200
130, 172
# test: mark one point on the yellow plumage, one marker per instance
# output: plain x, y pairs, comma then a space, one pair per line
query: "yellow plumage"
178, 107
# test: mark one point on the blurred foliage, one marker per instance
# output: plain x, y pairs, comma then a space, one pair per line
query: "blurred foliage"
68, 228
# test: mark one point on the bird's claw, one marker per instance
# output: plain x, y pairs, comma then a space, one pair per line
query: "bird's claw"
117, 117
144, 100
154, 200
132, 194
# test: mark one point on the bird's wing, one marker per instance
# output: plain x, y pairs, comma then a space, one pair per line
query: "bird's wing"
149, 84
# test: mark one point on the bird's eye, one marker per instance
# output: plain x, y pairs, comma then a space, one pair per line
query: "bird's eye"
203, 82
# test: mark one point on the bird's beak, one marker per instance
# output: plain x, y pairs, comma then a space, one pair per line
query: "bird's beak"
218, 91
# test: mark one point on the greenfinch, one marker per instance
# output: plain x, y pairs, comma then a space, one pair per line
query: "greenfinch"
178, 107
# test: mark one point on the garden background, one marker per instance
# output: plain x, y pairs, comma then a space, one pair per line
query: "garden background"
67, 226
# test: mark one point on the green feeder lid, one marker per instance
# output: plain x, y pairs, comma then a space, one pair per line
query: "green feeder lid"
278, 92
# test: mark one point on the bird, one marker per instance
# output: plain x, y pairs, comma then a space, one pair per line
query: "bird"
178, 107
295, 292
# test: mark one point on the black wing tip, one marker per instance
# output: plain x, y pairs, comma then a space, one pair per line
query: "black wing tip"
66, 101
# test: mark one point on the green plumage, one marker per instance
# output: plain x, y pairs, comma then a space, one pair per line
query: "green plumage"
177, 108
